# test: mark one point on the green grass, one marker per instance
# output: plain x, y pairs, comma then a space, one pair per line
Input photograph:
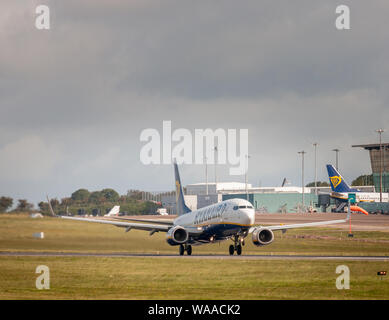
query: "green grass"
174, 278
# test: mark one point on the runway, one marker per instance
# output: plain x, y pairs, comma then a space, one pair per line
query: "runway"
151, 255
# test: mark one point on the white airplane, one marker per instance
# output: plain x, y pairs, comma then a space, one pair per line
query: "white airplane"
113, 212
162, 212
231, 219
341, 190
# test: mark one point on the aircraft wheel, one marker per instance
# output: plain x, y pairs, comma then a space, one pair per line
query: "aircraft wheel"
181, 250
189, 250
239, 250
231, 250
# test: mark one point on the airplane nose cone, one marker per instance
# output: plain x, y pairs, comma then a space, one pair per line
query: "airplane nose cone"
249, 215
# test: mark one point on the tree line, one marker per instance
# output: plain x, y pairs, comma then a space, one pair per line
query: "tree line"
99, 202
83, 201
7, 202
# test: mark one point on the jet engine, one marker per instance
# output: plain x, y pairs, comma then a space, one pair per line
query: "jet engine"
262, 236
177, 235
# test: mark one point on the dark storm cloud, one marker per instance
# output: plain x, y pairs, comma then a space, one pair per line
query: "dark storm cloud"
212, 49
75, 99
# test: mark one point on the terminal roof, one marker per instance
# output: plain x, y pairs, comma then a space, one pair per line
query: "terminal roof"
371, 146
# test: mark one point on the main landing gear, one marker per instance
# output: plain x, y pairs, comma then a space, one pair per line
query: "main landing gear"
237, 246
185, 247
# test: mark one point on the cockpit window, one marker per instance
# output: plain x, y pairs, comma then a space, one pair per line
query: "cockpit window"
235, 208
245, 207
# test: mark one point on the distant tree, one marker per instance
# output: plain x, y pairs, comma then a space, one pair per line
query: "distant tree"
5, 203
24, 205
123, 199
110, 195
134, 194
319, 184
66, 201
54, 203
149, 207
43, 206
96, 197
80, 195
363, 180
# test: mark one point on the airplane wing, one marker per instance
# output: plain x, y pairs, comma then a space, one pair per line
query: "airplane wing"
303, 225
140, 226
158, 221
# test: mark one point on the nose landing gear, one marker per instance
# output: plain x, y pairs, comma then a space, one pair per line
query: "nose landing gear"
237, 246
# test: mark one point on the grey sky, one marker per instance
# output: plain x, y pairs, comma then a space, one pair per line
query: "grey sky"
74, 99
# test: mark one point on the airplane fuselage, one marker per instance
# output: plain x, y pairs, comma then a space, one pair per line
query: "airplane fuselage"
361, 196
219, 221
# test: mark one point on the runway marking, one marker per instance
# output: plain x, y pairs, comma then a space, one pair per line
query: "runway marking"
152, 255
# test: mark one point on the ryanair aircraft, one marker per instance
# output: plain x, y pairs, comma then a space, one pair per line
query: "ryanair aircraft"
227, 220
341, 190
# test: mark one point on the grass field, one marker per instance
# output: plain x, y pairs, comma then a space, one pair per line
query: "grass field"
175, 278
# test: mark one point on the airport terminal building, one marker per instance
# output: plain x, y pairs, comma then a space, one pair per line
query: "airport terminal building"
264, 199
282, 199
378, 160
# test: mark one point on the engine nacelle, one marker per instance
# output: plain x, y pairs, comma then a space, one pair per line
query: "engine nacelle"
262, 236
177, 235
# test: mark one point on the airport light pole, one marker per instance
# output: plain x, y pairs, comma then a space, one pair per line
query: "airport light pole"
245, 176
383, 170
315, 145
206, 175
302, 174
214, 159
380, 131
337, 158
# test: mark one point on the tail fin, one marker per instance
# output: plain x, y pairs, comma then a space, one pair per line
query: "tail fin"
338, 184
113, 212
180, 201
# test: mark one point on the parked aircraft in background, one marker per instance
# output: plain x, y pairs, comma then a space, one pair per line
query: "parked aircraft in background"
162, 211
113, 212
341, 190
